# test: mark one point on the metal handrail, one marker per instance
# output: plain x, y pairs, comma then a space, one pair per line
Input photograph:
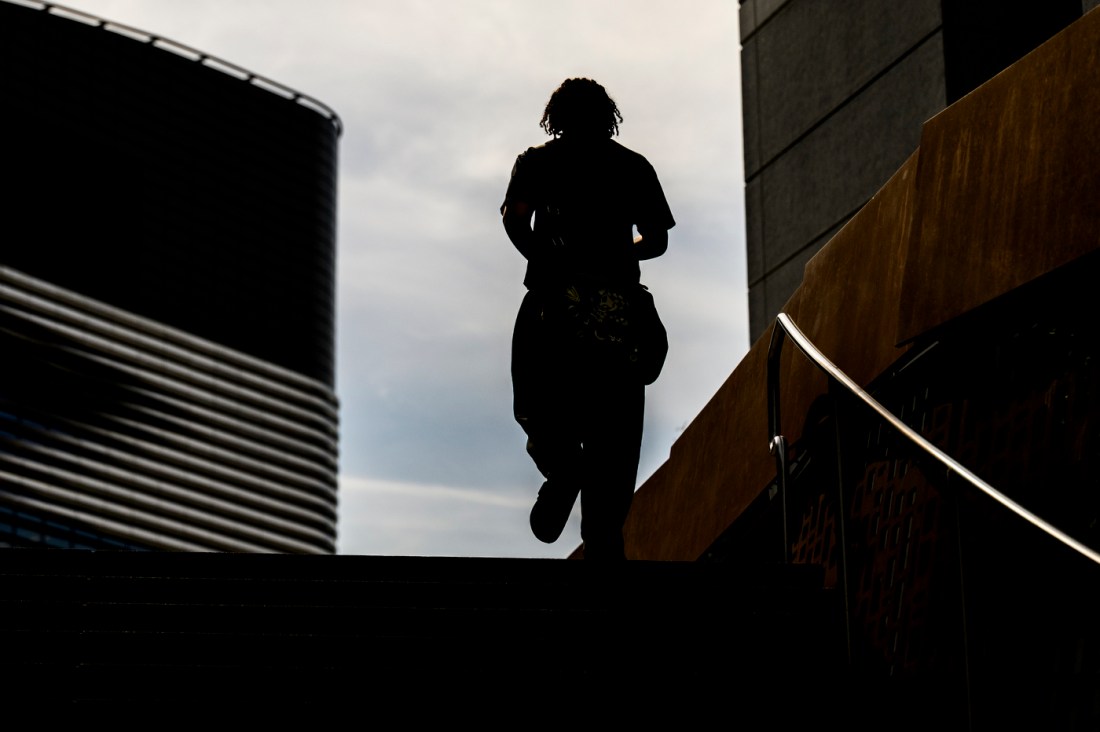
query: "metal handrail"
777, 443
180, 49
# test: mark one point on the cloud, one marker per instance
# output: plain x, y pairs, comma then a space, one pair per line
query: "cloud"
410, 519
437, 99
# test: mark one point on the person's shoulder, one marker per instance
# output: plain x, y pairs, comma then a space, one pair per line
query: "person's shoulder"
537, 152
622, 149
546, 148
628, 155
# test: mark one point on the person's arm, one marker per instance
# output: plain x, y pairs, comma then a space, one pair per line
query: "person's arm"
650, 242
653, 217
517, 224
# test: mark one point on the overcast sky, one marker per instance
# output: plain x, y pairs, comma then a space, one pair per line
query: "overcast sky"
437, 97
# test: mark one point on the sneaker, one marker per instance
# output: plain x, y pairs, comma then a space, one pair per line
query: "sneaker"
551, 510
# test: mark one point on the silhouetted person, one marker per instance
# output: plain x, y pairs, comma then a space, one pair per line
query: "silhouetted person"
579, 392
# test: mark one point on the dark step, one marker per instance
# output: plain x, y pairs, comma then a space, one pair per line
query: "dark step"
108, 628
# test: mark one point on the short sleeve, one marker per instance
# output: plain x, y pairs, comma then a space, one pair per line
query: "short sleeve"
521, 184
653, 209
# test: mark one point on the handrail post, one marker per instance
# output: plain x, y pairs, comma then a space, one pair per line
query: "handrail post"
841, 517
777, 443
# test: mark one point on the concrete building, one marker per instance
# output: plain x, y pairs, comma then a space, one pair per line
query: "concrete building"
834, 96
166, 295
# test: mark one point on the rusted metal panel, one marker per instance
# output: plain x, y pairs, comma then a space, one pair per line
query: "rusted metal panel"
1003, 189
1008, 182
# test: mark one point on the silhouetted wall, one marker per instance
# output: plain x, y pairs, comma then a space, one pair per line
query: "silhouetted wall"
834, 95
155, 183
960, 296
166, 296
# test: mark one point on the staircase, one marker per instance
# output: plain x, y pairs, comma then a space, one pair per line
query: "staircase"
104, 630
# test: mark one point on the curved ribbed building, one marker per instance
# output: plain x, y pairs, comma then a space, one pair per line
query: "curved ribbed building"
167, 283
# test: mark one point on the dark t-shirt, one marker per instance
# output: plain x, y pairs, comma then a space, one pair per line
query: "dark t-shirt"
587, 197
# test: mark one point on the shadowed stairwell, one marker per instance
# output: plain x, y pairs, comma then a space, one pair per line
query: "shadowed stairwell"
105, 630
959, 296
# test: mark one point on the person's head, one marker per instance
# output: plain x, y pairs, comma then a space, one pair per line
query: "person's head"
583, 108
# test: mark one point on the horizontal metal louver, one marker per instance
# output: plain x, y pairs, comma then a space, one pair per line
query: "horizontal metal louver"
156, 436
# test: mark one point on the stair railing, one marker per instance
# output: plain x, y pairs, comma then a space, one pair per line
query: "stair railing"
838, 380
777, 445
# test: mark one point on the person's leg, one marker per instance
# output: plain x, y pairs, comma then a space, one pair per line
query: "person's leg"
530, 370
612, 445
544, 406
561, 462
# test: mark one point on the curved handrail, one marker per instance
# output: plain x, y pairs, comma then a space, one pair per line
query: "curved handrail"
180, 49
786, 327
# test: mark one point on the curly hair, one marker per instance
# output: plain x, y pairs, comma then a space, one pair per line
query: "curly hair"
581, 104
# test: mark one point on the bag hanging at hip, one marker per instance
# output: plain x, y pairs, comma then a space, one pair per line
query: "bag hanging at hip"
615, 323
